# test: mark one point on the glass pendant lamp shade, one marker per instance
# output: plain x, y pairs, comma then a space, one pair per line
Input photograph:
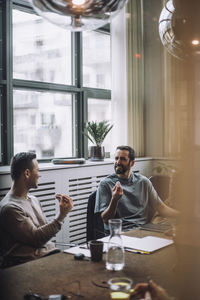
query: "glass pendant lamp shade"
78, 15
179, 28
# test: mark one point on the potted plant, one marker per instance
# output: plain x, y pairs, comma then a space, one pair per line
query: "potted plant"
96, 133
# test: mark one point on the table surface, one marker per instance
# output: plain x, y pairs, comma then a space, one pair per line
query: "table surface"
60, 274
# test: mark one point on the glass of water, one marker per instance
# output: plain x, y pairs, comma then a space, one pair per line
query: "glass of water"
120, 288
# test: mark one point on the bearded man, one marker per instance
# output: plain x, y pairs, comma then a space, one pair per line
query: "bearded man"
127, 195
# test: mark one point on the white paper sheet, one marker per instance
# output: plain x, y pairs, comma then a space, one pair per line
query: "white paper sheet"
83, 249
148, 243
153, 243
76, 250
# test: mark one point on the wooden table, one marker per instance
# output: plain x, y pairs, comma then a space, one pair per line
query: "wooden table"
59, 273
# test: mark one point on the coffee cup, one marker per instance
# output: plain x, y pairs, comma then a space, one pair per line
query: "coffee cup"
96, 250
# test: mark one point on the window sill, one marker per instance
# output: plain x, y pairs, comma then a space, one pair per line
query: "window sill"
50, 166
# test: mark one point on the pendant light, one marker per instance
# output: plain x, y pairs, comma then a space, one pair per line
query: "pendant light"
78, 15
179, 28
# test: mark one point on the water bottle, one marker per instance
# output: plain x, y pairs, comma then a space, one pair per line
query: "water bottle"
115, 252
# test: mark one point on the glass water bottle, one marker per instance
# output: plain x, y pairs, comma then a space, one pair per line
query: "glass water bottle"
115, 252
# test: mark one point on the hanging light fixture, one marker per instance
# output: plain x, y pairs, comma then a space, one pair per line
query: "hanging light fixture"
78, 15
179, 28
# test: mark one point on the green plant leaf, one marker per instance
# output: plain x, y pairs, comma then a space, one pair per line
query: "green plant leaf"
96, 132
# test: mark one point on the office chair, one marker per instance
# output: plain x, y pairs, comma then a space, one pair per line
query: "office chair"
161, 184
95, 226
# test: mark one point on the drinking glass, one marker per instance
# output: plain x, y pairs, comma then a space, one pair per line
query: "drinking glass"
120, 288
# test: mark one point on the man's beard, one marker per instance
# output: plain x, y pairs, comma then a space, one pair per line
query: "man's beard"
33, 184
122, 169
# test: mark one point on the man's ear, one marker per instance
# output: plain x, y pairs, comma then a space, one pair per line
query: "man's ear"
27, 173
132, 163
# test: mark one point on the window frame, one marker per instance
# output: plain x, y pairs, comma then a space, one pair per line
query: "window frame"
8, 84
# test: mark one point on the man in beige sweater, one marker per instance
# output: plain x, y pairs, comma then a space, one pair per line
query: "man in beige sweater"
24, 232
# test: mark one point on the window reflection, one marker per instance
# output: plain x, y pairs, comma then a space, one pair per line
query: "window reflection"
43, 123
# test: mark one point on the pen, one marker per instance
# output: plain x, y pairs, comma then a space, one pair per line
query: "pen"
65, 244
83, 247
137, 251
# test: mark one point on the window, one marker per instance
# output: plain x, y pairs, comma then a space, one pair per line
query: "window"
43, 123
99, 110
38, 53
53, 81
96, 60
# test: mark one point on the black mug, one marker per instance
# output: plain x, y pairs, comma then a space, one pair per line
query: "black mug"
96, 250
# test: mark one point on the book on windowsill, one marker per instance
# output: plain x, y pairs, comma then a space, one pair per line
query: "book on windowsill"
68, 161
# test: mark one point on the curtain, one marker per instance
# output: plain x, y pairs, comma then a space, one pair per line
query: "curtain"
119, 80
135, 76
178, 112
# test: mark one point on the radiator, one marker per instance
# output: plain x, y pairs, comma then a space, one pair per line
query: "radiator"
76, 181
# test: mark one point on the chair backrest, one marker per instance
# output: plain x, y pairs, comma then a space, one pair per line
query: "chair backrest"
161, 184
95, 227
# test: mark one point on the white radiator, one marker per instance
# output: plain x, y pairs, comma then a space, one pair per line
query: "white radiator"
76, 181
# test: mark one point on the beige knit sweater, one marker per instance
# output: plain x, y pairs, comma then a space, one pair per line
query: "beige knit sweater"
24, 231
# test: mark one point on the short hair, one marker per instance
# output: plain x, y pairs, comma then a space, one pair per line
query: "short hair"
20, 162
129, 149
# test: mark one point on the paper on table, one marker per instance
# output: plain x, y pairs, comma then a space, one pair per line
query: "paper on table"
82, 249
153, 243
128, 241
148, 243
76, 250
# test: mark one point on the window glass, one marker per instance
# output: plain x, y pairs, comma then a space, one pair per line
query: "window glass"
38, 53
100, 110
43, 123
96, 60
